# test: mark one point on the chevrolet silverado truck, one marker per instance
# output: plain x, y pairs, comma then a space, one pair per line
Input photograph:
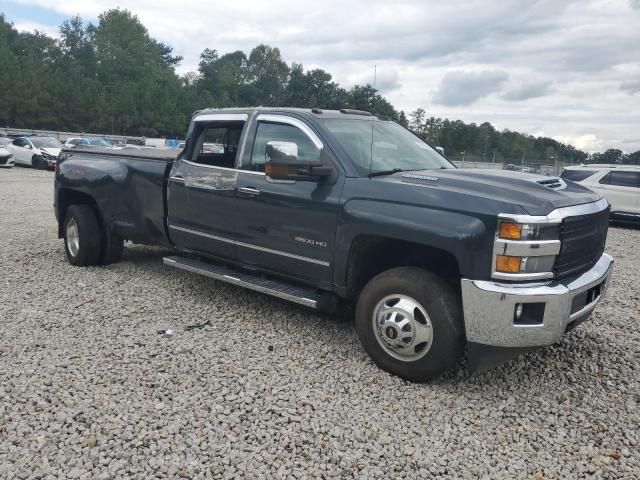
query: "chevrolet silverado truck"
334, 208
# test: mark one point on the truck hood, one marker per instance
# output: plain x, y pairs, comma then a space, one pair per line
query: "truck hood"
536, 194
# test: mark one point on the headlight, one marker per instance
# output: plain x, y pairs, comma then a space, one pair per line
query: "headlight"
509, 230
525, 248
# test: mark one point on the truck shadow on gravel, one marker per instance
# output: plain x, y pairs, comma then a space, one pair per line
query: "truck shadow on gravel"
335, 331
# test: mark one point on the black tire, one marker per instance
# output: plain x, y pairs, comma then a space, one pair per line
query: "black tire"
88, 246
37, 163
112, 247
443, 307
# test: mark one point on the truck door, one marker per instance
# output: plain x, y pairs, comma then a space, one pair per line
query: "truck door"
286, 227
202, 187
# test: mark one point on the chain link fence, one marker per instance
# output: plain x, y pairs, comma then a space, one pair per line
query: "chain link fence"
64, 136
552, 168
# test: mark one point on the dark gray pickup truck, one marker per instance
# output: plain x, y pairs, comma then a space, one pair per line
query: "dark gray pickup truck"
332, 208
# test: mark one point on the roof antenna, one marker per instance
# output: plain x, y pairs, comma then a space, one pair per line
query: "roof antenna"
375, 76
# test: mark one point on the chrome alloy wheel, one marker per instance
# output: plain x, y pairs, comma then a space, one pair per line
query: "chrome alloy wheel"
402, 327
73, 237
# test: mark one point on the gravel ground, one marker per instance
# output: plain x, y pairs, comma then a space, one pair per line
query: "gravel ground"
88, 389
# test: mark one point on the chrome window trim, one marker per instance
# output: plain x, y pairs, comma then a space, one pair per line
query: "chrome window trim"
250, 245
221, 117
294, 122
196, 164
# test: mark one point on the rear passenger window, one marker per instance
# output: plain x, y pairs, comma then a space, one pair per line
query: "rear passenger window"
622, 179
217, 144
267, 132
577, 175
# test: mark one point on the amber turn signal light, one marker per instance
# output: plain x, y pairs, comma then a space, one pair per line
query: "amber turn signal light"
507, 264
510, 231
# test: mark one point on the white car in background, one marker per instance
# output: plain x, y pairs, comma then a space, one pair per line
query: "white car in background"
619, 184
36, 152
6, 157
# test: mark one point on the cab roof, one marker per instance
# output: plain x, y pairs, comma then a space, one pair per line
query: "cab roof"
318, 113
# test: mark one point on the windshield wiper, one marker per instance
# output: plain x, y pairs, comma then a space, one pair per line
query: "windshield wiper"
385, 172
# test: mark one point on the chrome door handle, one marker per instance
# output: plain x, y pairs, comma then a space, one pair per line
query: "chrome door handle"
249, 191
177, 178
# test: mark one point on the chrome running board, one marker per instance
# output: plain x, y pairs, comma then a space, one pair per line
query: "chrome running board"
300, 295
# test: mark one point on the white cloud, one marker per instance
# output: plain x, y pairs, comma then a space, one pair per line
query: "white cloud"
586, 50
588, 142
631, 86
26, 26
527, 90
464, 88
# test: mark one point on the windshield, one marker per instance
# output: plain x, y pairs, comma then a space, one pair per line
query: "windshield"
45, 142
394, 147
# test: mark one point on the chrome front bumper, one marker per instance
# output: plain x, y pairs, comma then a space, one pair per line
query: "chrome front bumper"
489, 307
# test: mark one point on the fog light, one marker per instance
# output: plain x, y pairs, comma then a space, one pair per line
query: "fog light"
519, 310
529, 314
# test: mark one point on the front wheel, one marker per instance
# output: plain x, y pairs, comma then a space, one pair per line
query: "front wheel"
410, 323
38, 163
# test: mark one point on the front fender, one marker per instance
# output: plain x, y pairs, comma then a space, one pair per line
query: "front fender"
467, 237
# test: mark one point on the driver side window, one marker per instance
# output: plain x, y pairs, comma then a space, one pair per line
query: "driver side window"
269, 132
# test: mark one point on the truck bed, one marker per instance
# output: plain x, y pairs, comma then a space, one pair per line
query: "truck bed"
128, 187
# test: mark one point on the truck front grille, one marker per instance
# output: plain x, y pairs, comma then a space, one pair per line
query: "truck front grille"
583, 240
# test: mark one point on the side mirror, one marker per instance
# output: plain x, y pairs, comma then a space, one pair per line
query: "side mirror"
440, 150
282, 163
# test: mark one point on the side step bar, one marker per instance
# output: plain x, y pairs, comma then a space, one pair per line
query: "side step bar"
301, 295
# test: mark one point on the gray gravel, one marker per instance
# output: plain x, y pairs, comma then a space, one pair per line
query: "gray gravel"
88, 389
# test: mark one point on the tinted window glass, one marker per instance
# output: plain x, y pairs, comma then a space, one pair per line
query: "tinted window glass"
20, 142
622, 179
577, 175
267, 132
218, 144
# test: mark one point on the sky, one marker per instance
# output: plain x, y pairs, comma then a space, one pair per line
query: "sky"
564, 69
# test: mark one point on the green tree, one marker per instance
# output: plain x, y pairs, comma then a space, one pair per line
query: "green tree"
267, 76
143, 92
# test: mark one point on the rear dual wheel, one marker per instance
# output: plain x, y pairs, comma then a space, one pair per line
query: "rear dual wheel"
410, 323
86, 242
